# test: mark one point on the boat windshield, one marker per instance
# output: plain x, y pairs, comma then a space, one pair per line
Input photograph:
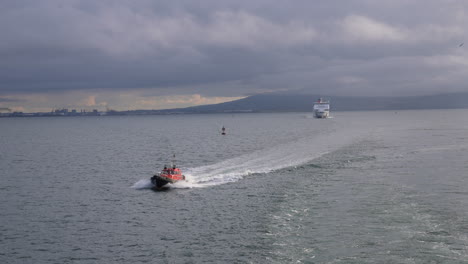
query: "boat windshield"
170, 171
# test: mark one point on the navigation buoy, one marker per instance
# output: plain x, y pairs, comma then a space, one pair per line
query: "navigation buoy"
223, 131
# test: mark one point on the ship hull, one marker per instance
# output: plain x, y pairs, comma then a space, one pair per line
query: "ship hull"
159, 181
321, 114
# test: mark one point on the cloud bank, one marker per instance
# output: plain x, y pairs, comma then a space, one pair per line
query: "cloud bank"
222, 49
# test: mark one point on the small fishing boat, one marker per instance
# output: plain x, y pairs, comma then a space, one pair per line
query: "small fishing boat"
170, 174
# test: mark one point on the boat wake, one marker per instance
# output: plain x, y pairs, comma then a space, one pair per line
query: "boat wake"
265, 161
143, 184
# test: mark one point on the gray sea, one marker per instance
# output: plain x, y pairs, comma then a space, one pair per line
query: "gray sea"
360, 187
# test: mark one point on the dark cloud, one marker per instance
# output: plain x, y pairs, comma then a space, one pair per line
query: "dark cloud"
233, 48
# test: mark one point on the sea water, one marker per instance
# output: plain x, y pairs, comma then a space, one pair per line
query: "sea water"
362, 187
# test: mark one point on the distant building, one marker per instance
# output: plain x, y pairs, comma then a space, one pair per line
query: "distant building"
63, 111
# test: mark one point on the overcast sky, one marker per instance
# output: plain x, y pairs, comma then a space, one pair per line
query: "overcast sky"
149, 54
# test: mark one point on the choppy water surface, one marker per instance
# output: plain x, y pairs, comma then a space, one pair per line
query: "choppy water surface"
362, 187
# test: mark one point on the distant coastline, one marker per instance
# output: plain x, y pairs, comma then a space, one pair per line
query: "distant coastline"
114, 113
271, 103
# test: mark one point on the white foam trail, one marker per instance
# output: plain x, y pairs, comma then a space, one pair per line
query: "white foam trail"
264, 161
187, 184
143, 184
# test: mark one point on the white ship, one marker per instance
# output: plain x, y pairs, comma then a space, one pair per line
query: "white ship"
321, 108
